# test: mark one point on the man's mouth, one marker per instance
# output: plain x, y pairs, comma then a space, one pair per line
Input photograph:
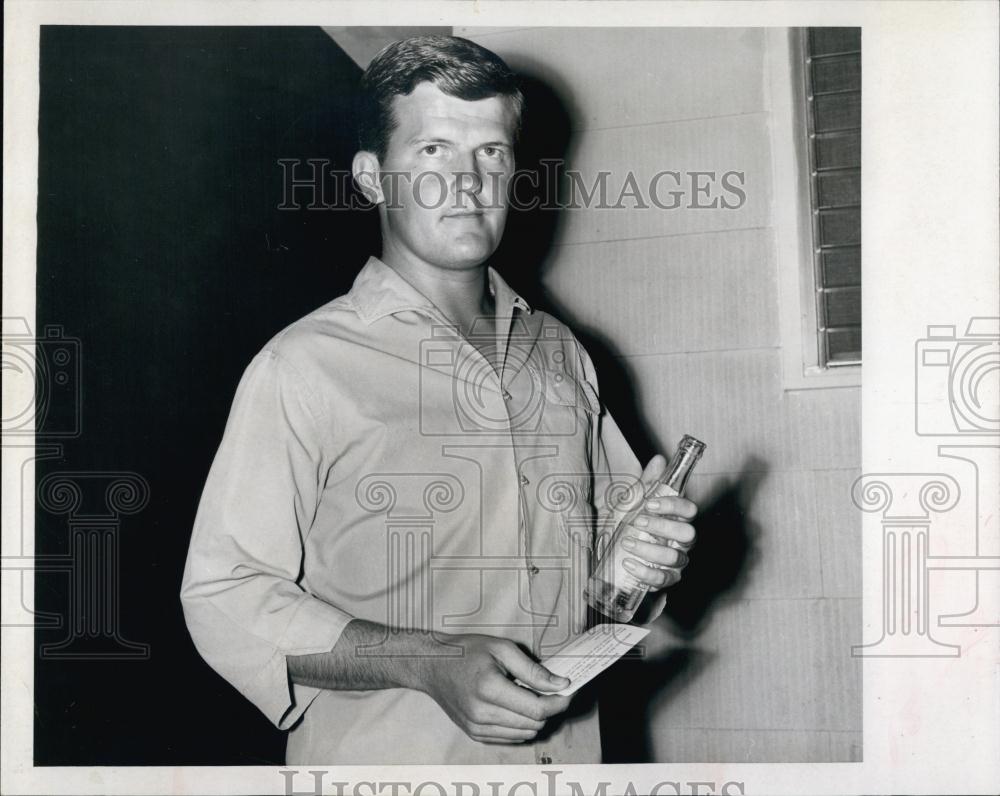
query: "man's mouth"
464, 214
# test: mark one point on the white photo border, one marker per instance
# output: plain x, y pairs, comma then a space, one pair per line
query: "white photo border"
931, 139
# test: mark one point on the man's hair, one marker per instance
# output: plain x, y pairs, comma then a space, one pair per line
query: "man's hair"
456, 66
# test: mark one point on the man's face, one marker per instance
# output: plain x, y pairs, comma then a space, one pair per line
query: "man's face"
447, 203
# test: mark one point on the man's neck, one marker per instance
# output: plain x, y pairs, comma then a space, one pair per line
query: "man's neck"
462, 295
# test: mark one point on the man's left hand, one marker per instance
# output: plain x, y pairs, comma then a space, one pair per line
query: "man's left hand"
666, 517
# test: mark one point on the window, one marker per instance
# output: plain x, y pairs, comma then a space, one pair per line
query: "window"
815, 95
832, 74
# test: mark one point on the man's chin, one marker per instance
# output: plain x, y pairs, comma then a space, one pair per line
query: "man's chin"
467, 254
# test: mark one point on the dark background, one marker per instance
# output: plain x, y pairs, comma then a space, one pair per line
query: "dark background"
161, 249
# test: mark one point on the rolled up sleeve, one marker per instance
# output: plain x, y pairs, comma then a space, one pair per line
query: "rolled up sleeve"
245, 606
615, 466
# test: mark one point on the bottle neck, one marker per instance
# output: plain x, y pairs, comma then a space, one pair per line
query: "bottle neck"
681, 466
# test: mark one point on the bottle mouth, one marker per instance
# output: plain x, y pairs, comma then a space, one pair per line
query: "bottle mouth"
691, 446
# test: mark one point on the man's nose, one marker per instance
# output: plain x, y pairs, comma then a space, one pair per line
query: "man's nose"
468, 180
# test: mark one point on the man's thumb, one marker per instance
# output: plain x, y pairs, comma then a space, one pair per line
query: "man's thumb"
629, 498
530, 672
654, 469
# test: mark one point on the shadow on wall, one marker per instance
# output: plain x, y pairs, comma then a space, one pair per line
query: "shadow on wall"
720, 563
719, 567
525, 254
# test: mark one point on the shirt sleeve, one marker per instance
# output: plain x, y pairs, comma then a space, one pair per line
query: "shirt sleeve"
615, 467
243, 603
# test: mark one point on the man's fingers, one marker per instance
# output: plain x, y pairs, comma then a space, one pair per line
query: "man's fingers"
553, 704
528, 671
536, 706
666, 529
659, 554
493, 733
663, 503
652, 576
502, 717
512, 697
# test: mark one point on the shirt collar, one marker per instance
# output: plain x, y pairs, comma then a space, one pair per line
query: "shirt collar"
378, 291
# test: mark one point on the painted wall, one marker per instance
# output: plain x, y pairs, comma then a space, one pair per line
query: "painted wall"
680, 310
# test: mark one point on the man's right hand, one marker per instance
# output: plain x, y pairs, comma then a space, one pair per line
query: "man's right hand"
475, 689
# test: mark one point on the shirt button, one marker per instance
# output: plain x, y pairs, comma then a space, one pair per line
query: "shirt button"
545, 760
524, 480
532, 570
507, 396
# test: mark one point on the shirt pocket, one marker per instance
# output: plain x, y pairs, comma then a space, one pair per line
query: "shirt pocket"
570, 406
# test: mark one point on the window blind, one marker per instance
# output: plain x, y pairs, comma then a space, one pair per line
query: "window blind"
833, 92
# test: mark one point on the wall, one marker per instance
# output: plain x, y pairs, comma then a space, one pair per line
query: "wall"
679, 308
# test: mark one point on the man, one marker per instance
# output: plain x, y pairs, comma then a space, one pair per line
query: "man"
401, 516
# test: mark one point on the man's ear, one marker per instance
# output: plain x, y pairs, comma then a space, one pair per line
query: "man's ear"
366, 169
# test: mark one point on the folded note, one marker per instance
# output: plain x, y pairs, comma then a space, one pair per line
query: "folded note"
587, 655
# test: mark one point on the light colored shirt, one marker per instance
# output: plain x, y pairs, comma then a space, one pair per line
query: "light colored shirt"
376, 465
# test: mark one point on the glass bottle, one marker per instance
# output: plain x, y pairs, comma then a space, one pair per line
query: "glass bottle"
612, 589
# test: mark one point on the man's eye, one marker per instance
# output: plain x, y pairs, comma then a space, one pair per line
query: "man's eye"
492, 151
431, 149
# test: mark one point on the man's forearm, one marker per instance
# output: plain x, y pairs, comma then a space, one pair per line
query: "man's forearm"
366, 657
471, 677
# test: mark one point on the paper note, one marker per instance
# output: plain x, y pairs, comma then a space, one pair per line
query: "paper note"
587, 655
